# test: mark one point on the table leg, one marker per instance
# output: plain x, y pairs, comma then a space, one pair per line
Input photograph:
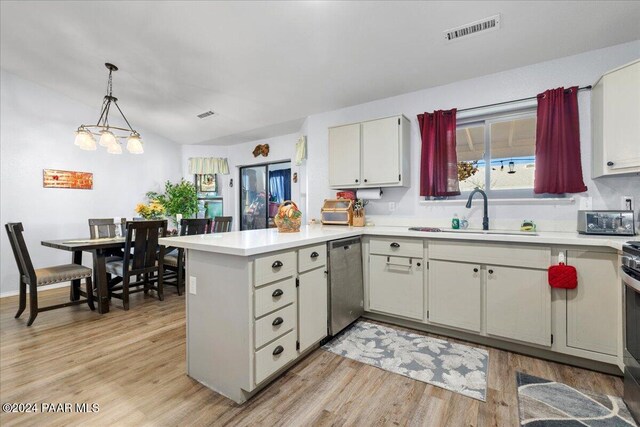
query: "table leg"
74, 293
100, 280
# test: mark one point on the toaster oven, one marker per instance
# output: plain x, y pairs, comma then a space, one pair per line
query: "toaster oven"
613, 223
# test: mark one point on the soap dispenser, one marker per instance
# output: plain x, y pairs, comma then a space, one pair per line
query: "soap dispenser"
455, 222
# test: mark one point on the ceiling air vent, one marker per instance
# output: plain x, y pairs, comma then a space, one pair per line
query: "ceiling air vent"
488, 24
206, 114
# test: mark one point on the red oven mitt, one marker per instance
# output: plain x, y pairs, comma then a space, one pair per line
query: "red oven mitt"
563, 276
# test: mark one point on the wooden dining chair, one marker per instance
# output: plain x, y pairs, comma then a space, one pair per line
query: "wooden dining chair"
140, 267
105, 227
222, 224
174, 257
43, 276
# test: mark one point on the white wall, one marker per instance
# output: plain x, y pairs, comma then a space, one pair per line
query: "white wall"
37, 132
313, 184
583, 69
281, 148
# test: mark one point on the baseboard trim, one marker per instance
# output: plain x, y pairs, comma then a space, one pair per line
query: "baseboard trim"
502, 345
40, 288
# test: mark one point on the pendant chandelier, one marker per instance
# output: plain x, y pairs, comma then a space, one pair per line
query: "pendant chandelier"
109, 136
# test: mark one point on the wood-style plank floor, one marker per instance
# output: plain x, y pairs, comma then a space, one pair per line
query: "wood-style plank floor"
132, 364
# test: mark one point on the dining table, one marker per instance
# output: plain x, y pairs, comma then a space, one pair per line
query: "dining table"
101, 248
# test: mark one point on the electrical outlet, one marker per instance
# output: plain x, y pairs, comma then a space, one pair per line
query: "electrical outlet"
192, 285
392, 206
628, 203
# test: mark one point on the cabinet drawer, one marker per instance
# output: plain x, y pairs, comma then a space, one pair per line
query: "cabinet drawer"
515, 254
274, 296
397, 247
274, 267
312, 257
274, 356
274, 325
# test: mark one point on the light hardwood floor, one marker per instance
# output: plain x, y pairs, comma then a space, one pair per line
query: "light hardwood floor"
133, 365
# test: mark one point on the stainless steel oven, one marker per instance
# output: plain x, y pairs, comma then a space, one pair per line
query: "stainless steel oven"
630, 273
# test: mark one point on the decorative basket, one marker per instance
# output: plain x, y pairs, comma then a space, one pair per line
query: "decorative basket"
358, 218
289, 218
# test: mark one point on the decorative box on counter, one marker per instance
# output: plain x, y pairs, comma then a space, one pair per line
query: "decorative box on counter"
337, 212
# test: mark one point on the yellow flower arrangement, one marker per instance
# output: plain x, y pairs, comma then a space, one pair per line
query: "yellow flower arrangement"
154, 209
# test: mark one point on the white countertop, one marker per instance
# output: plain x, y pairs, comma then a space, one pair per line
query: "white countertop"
254, 242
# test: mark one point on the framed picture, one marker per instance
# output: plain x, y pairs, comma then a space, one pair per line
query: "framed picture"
53, 178
206, 183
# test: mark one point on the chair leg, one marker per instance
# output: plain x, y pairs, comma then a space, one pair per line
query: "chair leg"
89, 284
33, 303
22, 299
160, 283
146, 283
125, 292
180, 279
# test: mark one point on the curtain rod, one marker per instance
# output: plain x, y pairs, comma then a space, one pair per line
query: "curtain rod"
513, 101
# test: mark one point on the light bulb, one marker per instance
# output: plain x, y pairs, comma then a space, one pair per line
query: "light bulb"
107, 139
85, 140
114, 148
134, 144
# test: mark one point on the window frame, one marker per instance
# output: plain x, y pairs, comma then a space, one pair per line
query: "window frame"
487, 120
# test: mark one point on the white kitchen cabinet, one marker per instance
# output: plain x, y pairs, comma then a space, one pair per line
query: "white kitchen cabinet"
518, 304
312, 307
396, 285
593, 307
344, 156
455, 294
615, 122
374, 153
381, 141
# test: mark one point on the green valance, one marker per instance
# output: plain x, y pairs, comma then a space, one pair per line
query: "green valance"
208, 165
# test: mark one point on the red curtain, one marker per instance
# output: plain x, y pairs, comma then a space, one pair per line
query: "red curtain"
439, 160
558, 167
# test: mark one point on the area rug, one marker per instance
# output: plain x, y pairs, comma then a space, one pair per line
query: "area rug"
544, 403
455, 367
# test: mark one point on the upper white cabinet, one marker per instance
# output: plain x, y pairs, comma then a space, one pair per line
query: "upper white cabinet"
374, 153
615, 122
344, 156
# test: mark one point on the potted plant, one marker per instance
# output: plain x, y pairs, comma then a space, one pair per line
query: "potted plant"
177, 199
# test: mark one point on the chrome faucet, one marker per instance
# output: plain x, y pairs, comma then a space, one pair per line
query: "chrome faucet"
485, 218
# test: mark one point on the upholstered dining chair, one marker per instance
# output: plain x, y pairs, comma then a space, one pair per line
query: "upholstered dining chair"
174, 257
43, 276
222, 224
140, 267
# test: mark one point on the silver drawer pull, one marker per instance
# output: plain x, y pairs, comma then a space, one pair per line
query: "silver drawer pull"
399, 265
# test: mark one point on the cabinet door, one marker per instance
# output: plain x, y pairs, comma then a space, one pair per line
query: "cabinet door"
381, 151
621, 124
519, 304
344, 156
454, 294
312, 308
396, 285
593, 307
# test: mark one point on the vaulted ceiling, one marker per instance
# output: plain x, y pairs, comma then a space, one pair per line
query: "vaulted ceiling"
265, 66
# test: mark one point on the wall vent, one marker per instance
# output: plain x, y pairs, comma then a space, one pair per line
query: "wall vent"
205, 114
488, 24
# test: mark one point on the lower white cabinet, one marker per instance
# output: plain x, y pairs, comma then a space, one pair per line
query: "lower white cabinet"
396, 285
593, 307
312, 307
455, 294
518, 304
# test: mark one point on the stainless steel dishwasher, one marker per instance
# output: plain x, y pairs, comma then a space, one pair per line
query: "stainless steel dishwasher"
346, 290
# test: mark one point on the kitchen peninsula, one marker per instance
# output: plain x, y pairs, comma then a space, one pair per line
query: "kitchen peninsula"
257, 300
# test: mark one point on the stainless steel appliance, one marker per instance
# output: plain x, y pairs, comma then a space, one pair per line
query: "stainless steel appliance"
619, 223
346, 290
630, 272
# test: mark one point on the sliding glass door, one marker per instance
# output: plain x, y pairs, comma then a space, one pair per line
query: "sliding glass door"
263, 188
